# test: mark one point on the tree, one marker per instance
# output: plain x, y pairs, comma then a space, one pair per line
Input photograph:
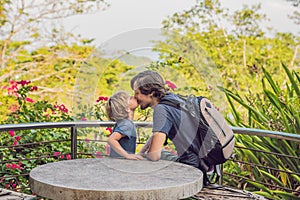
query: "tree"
26, 24
240, 49
34, 46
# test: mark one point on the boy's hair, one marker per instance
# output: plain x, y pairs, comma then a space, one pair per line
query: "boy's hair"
117, 106
149, 82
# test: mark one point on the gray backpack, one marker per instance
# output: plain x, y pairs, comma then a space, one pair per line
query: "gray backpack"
217, 136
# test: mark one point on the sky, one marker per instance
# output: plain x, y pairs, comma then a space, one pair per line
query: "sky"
129, 15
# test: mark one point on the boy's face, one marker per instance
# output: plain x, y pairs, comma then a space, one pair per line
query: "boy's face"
132, 103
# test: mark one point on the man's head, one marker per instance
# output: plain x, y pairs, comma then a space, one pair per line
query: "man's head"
149, 88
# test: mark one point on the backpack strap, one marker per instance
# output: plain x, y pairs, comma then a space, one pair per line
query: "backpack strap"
174, 103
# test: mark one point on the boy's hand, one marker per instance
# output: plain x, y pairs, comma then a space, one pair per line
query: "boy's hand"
134, 157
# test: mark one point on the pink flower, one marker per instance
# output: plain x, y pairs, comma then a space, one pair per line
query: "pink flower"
109, 129
19, 165
12, 90
11, 133
98, 154
56, 153
18, 138
107, 149
83, 119
14, 185
171, 85
8, 166
15, 143
7, 186
68, 156
29, 100
62, 156
13, 108
86, 140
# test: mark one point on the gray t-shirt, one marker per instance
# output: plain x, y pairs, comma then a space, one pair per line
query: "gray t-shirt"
125, 127
178, 125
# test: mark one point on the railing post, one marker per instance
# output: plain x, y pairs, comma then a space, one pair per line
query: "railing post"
74, 142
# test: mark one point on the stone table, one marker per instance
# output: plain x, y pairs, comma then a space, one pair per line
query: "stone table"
111, 178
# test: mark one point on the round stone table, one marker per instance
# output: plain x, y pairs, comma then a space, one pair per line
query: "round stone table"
111, 178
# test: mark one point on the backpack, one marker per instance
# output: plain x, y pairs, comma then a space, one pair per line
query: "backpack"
216, 135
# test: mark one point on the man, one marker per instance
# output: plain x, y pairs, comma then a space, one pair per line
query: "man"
168, 121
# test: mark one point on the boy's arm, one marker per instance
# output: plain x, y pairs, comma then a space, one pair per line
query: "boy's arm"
113, 141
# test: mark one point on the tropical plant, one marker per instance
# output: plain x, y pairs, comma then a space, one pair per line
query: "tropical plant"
278, 109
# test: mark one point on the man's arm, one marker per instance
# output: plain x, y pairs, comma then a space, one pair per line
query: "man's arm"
155, 146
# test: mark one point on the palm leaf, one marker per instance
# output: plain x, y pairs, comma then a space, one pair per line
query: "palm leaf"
290, 75
270, 80
272, 177
260, 186
265, 194
237, 98
286, 195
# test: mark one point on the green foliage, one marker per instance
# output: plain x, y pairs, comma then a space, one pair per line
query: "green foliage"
277, 108
240, 52
23, 150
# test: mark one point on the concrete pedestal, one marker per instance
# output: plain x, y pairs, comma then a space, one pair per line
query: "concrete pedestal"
109, 178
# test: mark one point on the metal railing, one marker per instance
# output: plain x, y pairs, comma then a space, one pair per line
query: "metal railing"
84, 124
73, 126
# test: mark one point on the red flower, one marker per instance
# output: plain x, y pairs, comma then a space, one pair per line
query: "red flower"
171, 85
102, 98
11, 133
62, 156
29, 100
63, 108
8, 166
13, 166
68, 156
23, 82
18, 138
109, 129
56, 153
34, 88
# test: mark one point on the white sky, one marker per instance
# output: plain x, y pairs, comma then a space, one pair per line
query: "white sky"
128, 15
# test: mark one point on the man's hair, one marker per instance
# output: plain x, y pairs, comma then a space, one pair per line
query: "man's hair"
149, 82
117, 106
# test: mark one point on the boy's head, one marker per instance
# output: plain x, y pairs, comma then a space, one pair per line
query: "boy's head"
117, 106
